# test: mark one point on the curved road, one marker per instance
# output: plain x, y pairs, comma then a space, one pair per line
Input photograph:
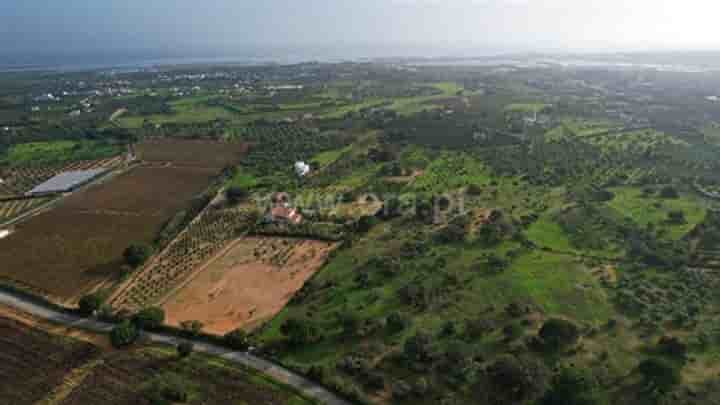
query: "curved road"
274, 371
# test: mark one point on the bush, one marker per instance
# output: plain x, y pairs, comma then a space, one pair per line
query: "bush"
149, 318
558, 333
124, 334
237, 340
676, 217
191, 328
89, 304
236, 194
185, 349
659, 375
397, 322
168, 389
669, 192
571, 387
518, 380
300, 332
136, 255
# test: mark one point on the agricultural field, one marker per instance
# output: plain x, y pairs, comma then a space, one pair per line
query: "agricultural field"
41, 367
204, 237
39, 154
14, 208
209, 154
496, 254
83, 237
248, 283
33, 362
18, 180
143, 191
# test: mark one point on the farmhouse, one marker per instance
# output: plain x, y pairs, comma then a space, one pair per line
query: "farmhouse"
66, 182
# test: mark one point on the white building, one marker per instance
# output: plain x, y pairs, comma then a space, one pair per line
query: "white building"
302, 169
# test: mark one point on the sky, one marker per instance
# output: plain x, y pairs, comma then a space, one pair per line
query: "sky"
446, 26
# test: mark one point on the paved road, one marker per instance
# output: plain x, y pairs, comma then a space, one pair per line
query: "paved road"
272, 370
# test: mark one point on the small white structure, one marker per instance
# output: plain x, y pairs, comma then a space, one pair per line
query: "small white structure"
4, 233
302, 169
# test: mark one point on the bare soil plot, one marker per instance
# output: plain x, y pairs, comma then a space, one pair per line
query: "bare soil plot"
192, 152
247, 284
33, 362
63, 254
144, 190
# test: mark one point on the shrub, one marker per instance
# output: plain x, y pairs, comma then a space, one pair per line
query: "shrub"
124, 334
168, 389
191, 328
676, 217
300, 332
558, 333
518, 380
237, 340
669, 192
659, 375
397, 322
571, 387
236, 194
418, 347
149, 318
512, 332
89, 304
136, 255
185, 349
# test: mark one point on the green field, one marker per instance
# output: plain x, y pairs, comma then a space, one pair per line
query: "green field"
56, 152
643, 210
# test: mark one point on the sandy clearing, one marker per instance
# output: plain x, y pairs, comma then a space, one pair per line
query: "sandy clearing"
247, 284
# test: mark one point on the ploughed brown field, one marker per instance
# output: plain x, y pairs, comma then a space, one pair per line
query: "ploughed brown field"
68, 251
192, 152
248, 283
144, 190
33, 362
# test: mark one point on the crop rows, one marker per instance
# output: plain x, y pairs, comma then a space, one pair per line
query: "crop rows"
17, 181
11, 209
196, 245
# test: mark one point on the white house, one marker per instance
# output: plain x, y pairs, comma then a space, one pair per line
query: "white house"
302, 169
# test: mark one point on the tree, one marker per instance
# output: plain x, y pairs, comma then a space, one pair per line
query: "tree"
558, 333
300, 332
350, 323
237, 340
124, 334
397, 322
149, 318
191, 328
571, 387
236, 194
417, 347
517, 380
185, 349
669, 192
89, 304
660, 375
676, 217
136, 255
